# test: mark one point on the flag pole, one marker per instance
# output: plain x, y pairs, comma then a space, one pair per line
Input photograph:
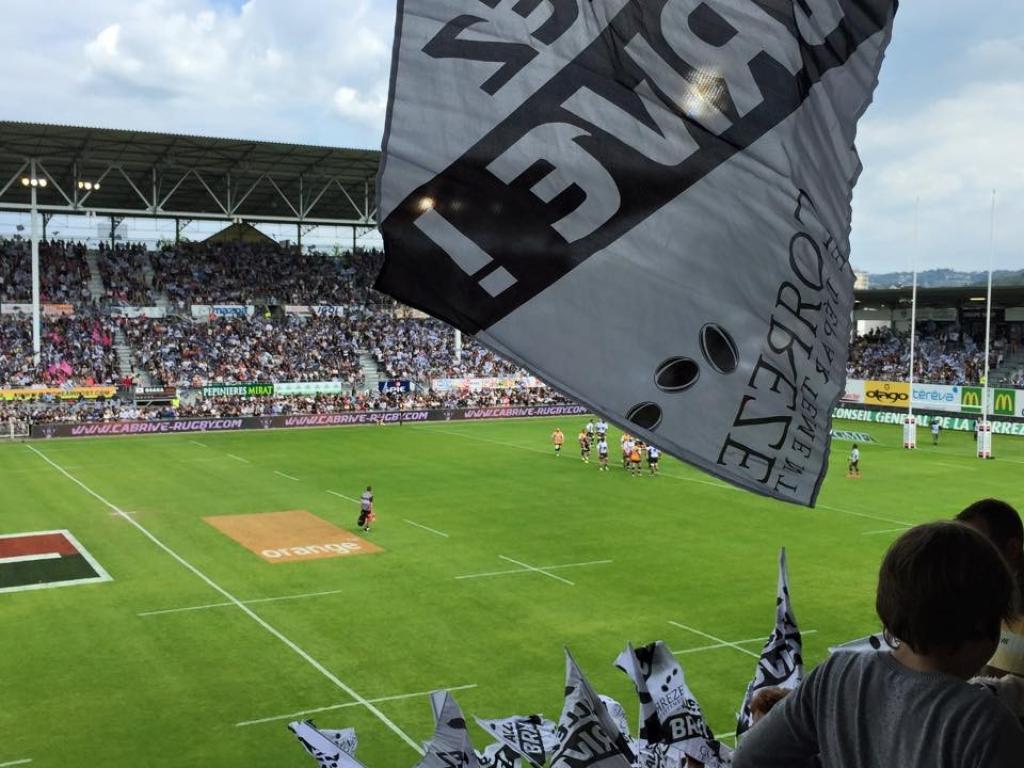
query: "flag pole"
985, 429
910, 424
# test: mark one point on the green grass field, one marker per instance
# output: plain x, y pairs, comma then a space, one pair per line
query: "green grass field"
86, 680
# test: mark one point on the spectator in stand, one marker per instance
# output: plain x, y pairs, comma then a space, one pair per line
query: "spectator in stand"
75, 351
122, 270
63, 272
943, 591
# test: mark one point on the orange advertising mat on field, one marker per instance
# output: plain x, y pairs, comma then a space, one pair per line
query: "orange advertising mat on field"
284, 537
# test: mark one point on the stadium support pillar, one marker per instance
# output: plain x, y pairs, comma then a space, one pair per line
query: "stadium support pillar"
353, 239
985, 428
298, 231
177, 231
909, 422
36, 329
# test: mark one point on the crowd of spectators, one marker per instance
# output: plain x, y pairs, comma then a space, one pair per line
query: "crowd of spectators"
425, 349
63, 272
122, 270
179, 352
74, 351
51, 409
243, 273
942, 355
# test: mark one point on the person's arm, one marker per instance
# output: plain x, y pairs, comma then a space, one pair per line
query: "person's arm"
787, 736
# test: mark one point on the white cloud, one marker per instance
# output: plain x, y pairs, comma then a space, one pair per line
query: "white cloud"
312, 71
370, 109
950, 155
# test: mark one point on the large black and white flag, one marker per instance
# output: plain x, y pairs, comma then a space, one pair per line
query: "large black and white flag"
588, 736
450, 746
645, 202
331, 749
781, 664
669, 710
532, 738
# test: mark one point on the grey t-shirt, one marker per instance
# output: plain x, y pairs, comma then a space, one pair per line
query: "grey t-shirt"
866, 710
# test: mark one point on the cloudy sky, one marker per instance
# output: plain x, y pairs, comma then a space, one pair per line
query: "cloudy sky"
947, 125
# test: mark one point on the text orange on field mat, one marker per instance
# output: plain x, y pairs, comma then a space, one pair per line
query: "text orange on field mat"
284, 537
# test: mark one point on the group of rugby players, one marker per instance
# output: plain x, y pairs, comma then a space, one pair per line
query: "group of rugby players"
596, 434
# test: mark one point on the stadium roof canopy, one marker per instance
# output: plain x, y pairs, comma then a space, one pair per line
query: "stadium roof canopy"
900, 298
185, 177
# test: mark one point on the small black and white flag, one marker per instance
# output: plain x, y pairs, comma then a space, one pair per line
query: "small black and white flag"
781, 664
532, 738
588, 736
450, 746
670, 711
331, 749
690, 163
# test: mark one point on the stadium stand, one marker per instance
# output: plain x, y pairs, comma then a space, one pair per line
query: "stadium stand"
283, 337
63, 272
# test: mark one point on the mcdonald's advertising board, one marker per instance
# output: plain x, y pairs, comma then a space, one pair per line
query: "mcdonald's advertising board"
1003, 401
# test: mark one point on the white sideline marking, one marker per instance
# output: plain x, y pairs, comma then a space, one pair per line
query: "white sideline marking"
330, 707
29, 558
739, 648
238, 603
282, 474
886, 530
15, 762
247, 602
954, 466
525, 570
539, 570
735, 642
238, 458
196, 442
343, 496
865, 514
425, 528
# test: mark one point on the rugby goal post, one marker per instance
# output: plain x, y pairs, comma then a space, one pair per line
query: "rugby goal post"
985, 439
14, 429
910, 432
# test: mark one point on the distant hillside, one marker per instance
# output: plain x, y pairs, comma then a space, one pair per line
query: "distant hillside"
946, 278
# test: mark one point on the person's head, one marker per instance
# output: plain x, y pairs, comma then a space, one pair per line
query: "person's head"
944, 591
855, 446
1001, 524
764, 701
369, 488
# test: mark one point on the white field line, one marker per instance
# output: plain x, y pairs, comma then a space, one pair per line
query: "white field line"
238, 458
238, 603
885, 530
526, 570
426, 528
15, 762
954, 466
695, 631
305, 712
29, 558
283, 474
735, 642
247, 602
866, 515
343, 496
196, 442
538, 570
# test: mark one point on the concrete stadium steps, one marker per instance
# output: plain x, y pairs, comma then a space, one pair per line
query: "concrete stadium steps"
371, 373
1011, 364
96, 287
124, 360
148, 273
